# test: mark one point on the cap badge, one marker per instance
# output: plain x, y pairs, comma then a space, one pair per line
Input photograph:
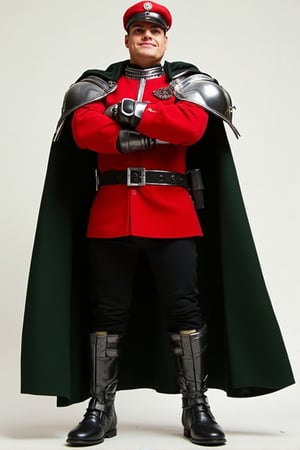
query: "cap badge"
147, 6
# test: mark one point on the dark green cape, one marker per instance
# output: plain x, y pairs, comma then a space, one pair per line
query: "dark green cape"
247, 356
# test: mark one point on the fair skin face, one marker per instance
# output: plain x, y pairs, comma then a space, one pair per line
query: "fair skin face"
146, 43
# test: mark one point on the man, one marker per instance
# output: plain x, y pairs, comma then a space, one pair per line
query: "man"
145, 122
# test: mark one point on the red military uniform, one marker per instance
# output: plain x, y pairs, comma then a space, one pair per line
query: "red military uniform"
148, 211
164, 292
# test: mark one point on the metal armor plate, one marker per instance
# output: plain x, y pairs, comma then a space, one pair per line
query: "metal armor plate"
206, 92
85, 91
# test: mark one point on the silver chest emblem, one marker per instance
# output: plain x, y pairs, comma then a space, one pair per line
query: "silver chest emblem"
147, 6
164, 93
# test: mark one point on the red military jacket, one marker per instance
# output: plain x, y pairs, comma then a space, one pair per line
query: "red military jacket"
145, 211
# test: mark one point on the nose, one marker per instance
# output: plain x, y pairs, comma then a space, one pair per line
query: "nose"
147, 35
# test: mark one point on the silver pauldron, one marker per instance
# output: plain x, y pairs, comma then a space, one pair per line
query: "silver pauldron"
85, 91
204, 91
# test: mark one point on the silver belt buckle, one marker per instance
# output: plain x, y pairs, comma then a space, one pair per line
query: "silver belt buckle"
136, 176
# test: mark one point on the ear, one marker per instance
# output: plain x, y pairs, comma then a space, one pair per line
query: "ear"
126, 40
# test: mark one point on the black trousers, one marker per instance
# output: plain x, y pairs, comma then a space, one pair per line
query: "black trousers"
112, 267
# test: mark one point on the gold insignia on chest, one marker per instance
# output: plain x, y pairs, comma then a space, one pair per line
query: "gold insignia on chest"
164, 93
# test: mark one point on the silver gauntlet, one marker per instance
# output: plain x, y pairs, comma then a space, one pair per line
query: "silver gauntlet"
127, 113
132, 141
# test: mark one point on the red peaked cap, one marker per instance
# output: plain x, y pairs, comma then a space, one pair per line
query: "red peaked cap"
147, 12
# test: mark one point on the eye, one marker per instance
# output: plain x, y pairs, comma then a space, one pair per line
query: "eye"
156, 30
138, 30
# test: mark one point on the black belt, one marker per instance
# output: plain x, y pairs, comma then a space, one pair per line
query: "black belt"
139, 176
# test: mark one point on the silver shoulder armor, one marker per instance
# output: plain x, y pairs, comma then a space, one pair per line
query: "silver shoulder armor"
85, 91
206, 92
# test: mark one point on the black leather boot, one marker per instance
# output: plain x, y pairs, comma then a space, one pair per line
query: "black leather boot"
199, 423
100, 419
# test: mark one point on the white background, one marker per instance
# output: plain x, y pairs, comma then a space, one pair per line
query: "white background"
252, 48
